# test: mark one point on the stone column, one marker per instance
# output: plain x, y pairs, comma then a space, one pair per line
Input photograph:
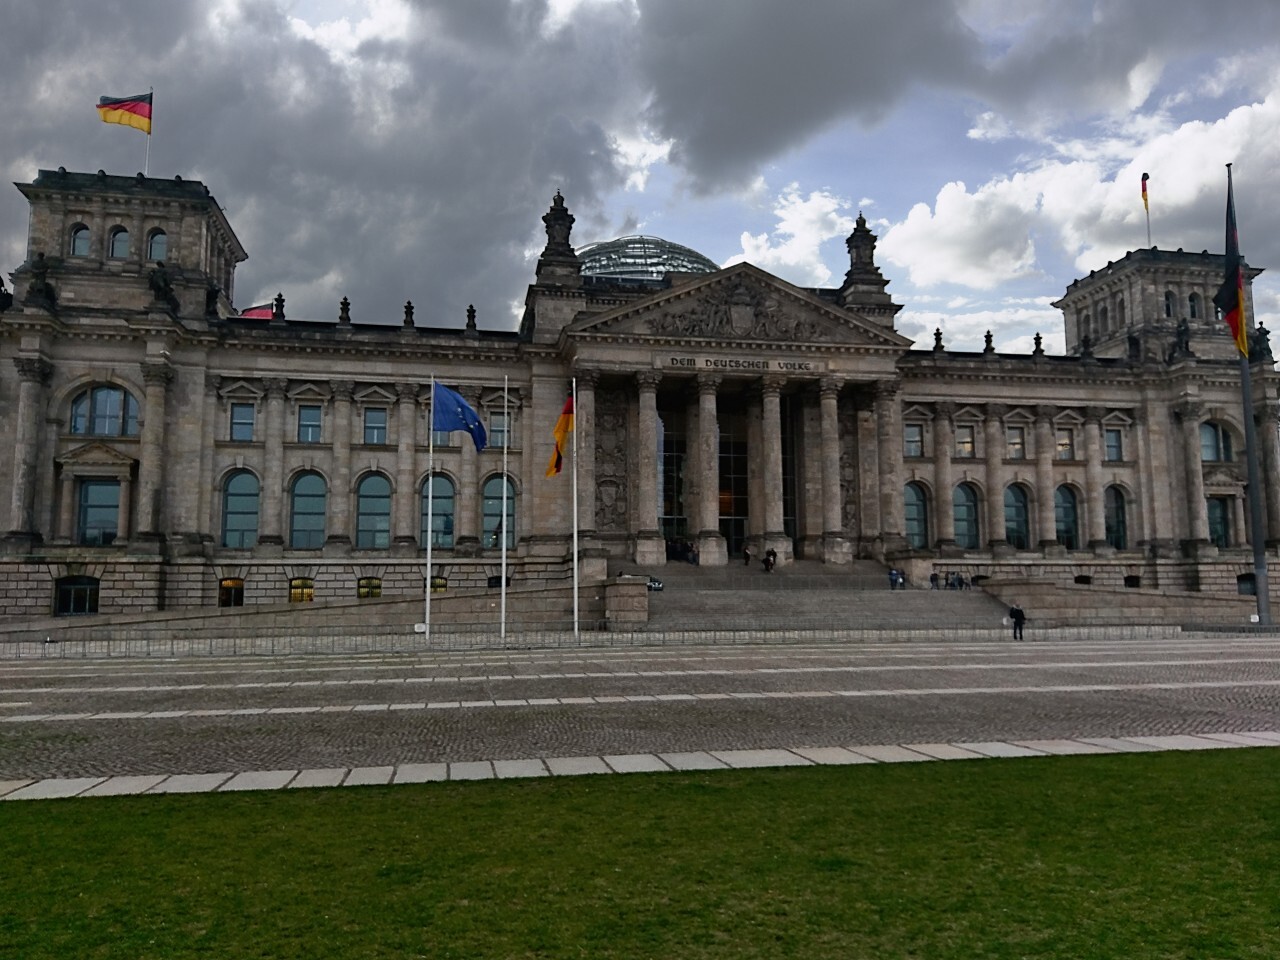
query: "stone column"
994, 479
403, 510
205, 525
650, 546
271, 535
466, 505
584, 428
835, 544
1156, 477
712, 549
1095, 508
1270, 442
156, 376
34, 374
771, 437
65, 525
1189, 413
944, 441
339, 539
1046, 521
889, 455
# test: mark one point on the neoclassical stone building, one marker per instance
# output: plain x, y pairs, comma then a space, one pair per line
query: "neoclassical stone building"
169, 452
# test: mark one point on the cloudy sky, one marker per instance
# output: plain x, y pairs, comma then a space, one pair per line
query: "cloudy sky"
388, 150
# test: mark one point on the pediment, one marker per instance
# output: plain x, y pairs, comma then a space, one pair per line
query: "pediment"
95, 454
741, 304
239, 390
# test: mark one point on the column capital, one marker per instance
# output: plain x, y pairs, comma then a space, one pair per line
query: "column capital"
772, 385
996, 411
944, 409
1189, 409
1267, 412
275, 387
648, 379
407, 392
708, 382
156, 373
342, 389
1094, 414
212, 382
885, 391
1045, 412
829, 386
587, 376
33, 369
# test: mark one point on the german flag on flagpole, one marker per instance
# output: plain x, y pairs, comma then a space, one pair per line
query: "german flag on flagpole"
1230, 296
1145, 205
564, 426
131, 111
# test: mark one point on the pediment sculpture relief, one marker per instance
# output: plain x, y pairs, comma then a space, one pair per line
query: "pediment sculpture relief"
742, 312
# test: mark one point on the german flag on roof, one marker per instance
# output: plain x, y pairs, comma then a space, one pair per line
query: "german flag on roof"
131, 111
262, 311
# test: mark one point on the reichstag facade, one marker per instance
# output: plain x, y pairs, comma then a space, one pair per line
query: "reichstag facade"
169, 452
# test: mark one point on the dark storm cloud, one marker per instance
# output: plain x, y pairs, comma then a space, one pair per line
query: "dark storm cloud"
738, 83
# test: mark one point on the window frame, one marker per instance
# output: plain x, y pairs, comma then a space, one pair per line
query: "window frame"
310, 432
965, 442
912, 439
966, 519
442, 520
1109, 448
1064, 441
68, 591
79, 232
373, 430
114, 237
1064, 522
491, 513
1116, 517
1015, 450
231, 592
236, 432
154, 235
373, 513
103, 410
105, 533
307, 537
302, 589
244, 535
1017, 516
915, 497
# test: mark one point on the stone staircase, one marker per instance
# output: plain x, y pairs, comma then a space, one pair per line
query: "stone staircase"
805, 595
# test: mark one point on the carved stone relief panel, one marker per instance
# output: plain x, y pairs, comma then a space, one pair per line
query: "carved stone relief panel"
611, 460
741, 312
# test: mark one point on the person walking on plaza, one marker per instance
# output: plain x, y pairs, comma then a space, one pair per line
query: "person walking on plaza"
1017, 618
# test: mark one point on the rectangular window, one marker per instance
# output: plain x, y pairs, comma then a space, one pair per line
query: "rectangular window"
965, 445
442, 438
499, 430
913, 440
308, 424
231, 592
1015, 445
1114, 444
302, 590
242, 422
1066, 444
97, 524
375, 426
368, 587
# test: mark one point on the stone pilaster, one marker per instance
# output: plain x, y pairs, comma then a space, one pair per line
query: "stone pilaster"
944, 441
995, 478
771, 438
1189, 414
34, 374
889, 455
156, 376
584, 427
650, 545
271, 531
835, 543
1046, 522
712, 549
1095, 507
405, 500
339, 539
466, 504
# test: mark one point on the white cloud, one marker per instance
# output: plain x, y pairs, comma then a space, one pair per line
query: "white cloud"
793, 250
1012, 330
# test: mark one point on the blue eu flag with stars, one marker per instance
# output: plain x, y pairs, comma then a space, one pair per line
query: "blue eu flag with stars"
450, 412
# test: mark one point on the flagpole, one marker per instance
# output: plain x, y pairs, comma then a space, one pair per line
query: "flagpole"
146, 164
574, 389
431, 533
506, 445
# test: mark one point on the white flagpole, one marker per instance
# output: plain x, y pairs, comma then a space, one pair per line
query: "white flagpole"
431, 534
146, 163
575, 507
506, 445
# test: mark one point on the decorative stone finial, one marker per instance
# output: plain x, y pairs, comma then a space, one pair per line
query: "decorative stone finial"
937, 340
1039, 348
277, 307
988, 343
559, 223
471, 317
344, 311
408, 313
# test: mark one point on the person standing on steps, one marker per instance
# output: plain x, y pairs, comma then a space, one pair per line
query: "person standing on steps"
746, 555
1017, 618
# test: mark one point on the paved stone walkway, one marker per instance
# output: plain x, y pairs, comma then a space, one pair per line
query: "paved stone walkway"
81, 728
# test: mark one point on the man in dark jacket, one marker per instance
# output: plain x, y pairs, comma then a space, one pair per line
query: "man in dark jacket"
1017, 618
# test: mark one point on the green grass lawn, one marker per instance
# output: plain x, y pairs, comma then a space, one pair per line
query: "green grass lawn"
1149, 855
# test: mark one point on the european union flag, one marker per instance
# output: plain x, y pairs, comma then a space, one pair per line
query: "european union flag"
450, 412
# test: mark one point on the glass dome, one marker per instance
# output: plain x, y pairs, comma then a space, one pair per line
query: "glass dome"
641, 258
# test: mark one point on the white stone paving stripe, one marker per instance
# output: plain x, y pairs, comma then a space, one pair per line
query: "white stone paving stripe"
1063, 747
368, 776
945, 751
1272, 735
997, 748
8, 786
890, 754
1120, 745
831, 755
635, 763
322, 777
1240, 739
123, 786
513, 769
693, 760
471, 770
54, 789
576, 766
192, 783
1185, 742
259, 780
741, 759
421, 772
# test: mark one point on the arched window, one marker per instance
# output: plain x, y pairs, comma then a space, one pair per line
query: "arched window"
157, 245
1170, 301
965, 504
495, 525
79, 241
1066, 517
1120, 313
104, 412
440, 491
1084, 327
118, 245
1215, 443
373, 513
1113, 508
1103, 317
1193, 306
1017, 517
916, 515
76, 596
306, 530
240, 511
